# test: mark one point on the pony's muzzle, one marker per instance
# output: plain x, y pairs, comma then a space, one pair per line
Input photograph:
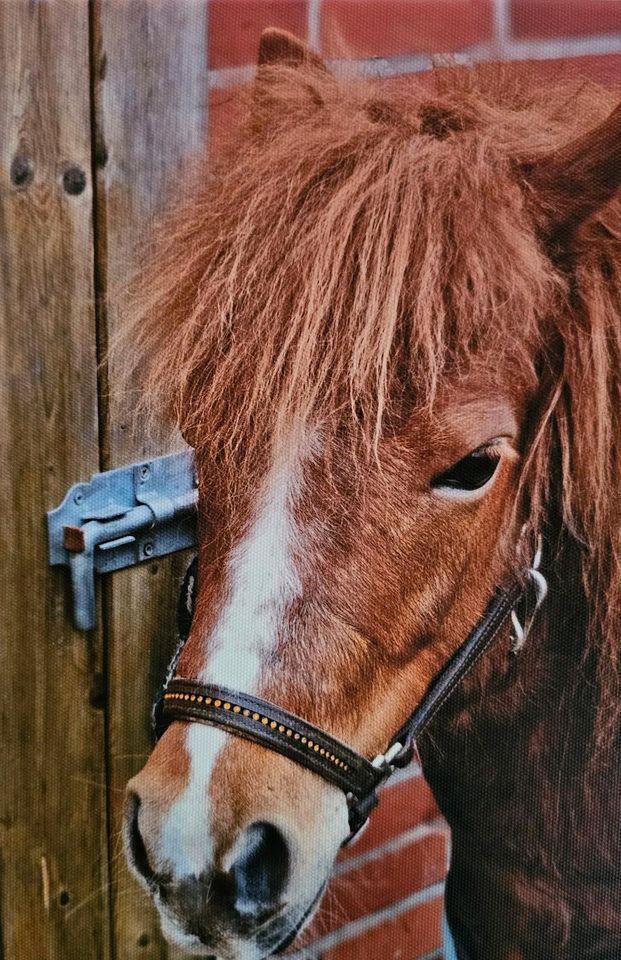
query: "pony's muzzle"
250, 891
223, 836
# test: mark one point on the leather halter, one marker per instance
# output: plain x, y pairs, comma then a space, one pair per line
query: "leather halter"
253, 718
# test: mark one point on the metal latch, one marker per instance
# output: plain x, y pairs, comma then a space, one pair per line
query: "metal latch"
120, 518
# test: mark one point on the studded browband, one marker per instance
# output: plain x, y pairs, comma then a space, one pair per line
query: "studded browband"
265, 723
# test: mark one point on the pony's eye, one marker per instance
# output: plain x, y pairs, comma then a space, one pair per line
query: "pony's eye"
470, 473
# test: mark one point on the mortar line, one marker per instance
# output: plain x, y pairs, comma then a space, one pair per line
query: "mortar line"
369, 922
512, 50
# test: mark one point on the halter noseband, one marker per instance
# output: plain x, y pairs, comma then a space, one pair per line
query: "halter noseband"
267, 724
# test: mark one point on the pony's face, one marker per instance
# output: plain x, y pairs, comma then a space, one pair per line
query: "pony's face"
336, 591
359, 336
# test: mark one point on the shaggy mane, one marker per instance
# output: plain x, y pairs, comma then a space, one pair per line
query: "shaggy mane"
361, 240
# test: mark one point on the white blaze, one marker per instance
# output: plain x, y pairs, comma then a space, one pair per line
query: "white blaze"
262, 583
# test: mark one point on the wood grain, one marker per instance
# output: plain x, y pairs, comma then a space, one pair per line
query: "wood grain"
150, 106
53, 850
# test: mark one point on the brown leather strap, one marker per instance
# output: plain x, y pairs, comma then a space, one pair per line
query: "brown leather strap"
468, 654
267, 724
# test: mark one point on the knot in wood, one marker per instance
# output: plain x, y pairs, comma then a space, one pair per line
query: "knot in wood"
74, 181
22, 171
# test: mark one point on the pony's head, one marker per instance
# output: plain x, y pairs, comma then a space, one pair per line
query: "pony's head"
384, 324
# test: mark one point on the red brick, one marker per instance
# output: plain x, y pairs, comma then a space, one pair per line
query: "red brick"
604, 69
368, 887
386, 27
414, 933
234, 27
402, 806
546, 19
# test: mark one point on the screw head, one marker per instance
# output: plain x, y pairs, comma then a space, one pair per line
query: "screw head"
148, 549
78, 497
145, 472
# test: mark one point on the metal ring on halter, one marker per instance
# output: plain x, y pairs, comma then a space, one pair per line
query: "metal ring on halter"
540, 585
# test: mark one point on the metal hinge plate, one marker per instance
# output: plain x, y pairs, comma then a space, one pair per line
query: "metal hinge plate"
120, 518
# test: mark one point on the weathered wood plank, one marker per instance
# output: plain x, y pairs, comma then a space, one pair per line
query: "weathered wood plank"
53, 850
151, 100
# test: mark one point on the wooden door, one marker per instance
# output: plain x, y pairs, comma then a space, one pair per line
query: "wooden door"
53, 806
150, 105
99, 104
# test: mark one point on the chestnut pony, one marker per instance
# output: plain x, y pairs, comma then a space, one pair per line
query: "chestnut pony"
389, 323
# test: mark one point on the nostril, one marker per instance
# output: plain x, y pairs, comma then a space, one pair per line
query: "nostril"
261, 870
135, 844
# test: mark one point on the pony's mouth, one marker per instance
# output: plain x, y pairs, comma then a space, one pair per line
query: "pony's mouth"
270, 939
305, 918
278, 935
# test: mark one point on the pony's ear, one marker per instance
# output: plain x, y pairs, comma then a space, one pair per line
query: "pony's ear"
289, 82
574, 182
280, 47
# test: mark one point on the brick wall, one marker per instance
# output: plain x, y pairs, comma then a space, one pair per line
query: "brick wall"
401, 36
385, 900
385, 897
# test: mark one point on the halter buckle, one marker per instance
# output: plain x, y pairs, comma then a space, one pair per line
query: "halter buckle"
385, 761
540, 586
360, 810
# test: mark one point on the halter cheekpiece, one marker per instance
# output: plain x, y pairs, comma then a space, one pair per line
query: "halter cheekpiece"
265, 723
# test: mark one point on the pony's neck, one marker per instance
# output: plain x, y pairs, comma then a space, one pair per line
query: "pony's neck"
536, 850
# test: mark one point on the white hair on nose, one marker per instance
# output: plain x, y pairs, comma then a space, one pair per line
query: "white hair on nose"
262, 582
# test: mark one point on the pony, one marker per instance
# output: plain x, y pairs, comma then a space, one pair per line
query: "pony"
389, 324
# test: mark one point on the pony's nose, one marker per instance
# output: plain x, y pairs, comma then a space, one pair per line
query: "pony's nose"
247, 895
260, 872
136, 849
